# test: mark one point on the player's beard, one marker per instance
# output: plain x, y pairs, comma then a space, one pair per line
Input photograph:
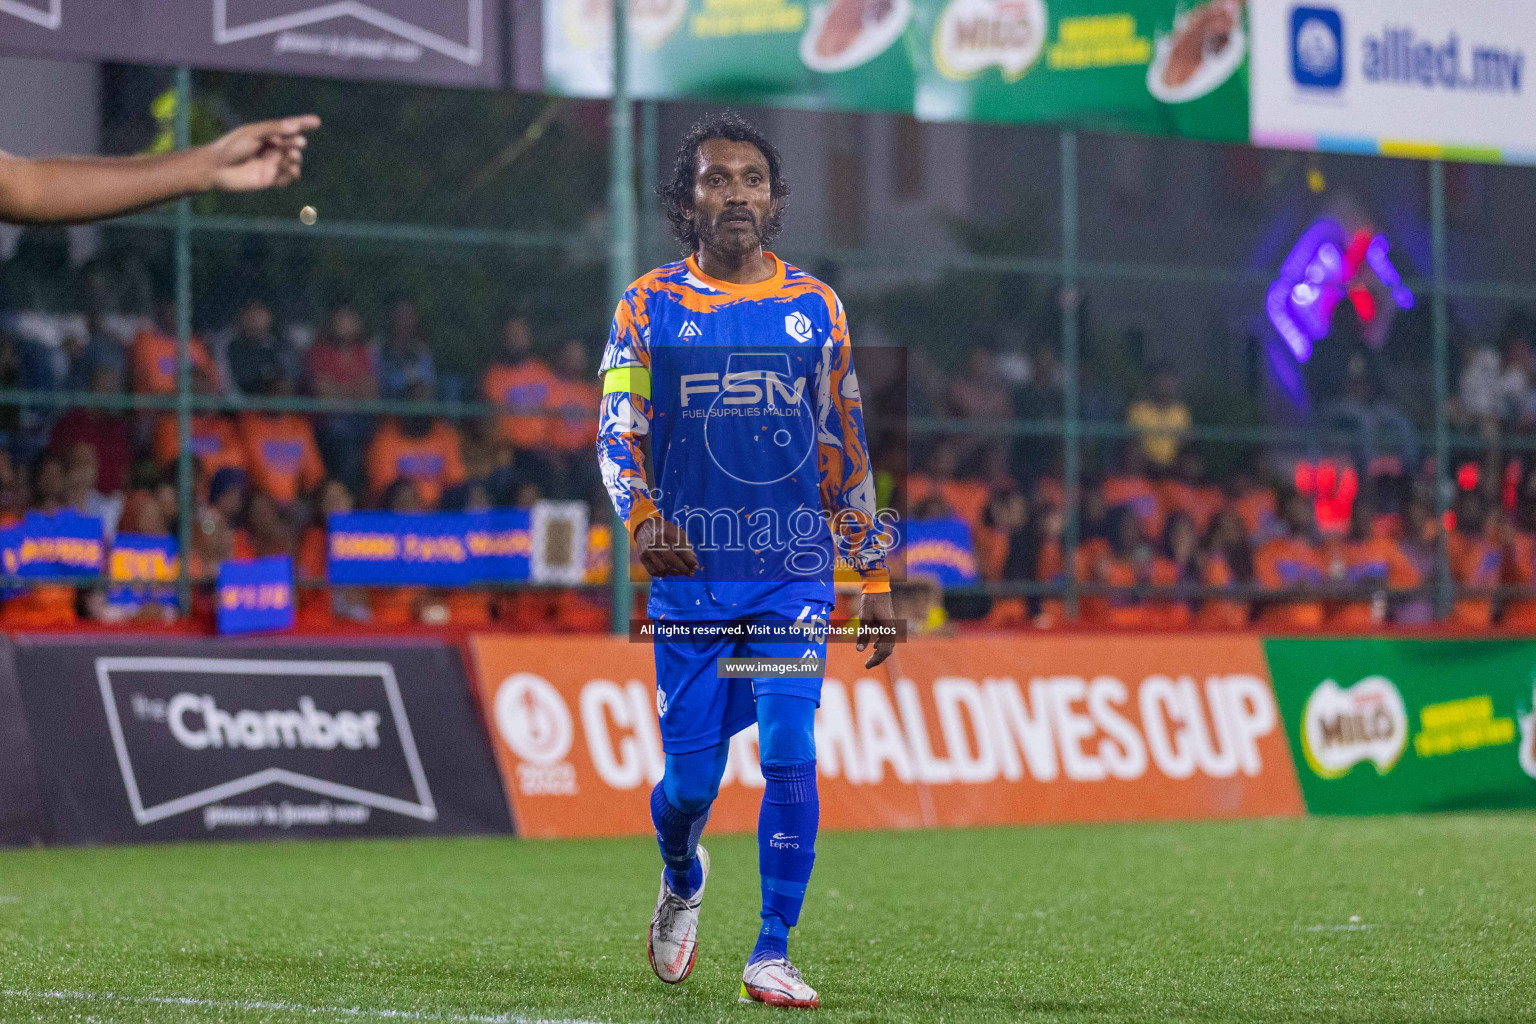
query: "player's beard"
730, 243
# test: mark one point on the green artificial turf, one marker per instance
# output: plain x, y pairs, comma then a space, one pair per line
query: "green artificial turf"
1239, 921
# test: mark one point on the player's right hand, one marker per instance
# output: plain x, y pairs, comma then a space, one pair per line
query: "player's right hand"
261, 155
664, 549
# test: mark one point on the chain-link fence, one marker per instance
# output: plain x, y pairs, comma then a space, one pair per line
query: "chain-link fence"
1116, 380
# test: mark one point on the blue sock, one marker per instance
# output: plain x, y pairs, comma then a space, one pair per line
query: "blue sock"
786, 850
677, 833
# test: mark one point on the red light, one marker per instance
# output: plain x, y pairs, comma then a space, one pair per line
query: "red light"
1466, 476
1327, 479
1365, 304
1355, 254
1448, 521
1306, 482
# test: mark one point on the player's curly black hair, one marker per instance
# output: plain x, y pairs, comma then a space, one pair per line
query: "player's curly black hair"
677, 192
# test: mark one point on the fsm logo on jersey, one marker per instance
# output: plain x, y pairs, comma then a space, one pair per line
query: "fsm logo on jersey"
1317, 47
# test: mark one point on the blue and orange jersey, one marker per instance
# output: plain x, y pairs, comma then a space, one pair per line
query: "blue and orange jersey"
748, 397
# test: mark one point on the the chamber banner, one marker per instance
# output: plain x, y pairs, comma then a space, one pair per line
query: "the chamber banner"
150, 740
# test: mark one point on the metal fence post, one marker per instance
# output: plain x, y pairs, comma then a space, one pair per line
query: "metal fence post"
1441, 334
621, 259
650, 173
183, 124
1070, 384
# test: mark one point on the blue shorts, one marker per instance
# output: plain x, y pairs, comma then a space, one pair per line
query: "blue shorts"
700, 711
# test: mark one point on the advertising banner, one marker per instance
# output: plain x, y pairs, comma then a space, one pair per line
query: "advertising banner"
1143, 65
978, 731
215, 740
386, 548
1409, 725
444, 42
1414, 78
22, 821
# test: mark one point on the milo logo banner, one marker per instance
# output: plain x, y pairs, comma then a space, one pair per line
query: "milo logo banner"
1167, 66
1408, 725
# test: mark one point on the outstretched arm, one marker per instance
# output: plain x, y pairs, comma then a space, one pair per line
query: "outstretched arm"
67, 190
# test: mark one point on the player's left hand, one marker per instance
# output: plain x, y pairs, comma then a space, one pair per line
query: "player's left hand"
876, 612
260, 155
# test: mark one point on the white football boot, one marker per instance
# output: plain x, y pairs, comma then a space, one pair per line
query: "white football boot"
674, 935
777, 982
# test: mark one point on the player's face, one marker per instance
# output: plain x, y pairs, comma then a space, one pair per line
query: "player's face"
732, 197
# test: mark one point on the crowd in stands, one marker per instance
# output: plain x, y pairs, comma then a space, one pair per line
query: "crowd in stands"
1345, 539
265, 482
1348, 541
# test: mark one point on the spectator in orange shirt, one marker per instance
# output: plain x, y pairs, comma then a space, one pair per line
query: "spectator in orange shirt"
1476, 550
1226, 560
1292, 564
216, 443
154, 354
1373, 560
280, 451
343, 364
1129, 486
417, 448
521, 384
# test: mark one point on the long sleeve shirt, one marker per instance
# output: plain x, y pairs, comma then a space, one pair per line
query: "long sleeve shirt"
748, 399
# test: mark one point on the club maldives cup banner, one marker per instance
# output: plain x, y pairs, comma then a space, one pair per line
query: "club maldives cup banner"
1419, 78
1409, 725
958, 732
1145, 65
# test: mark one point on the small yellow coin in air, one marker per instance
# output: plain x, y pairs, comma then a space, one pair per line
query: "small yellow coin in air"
309, 215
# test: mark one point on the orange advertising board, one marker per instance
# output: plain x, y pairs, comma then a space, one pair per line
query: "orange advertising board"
973, 731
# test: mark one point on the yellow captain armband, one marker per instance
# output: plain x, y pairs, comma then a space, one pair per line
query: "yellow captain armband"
635, 380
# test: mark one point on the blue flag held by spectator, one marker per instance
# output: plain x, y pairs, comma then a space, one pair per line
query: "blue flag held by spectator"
256, 594
941, 550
